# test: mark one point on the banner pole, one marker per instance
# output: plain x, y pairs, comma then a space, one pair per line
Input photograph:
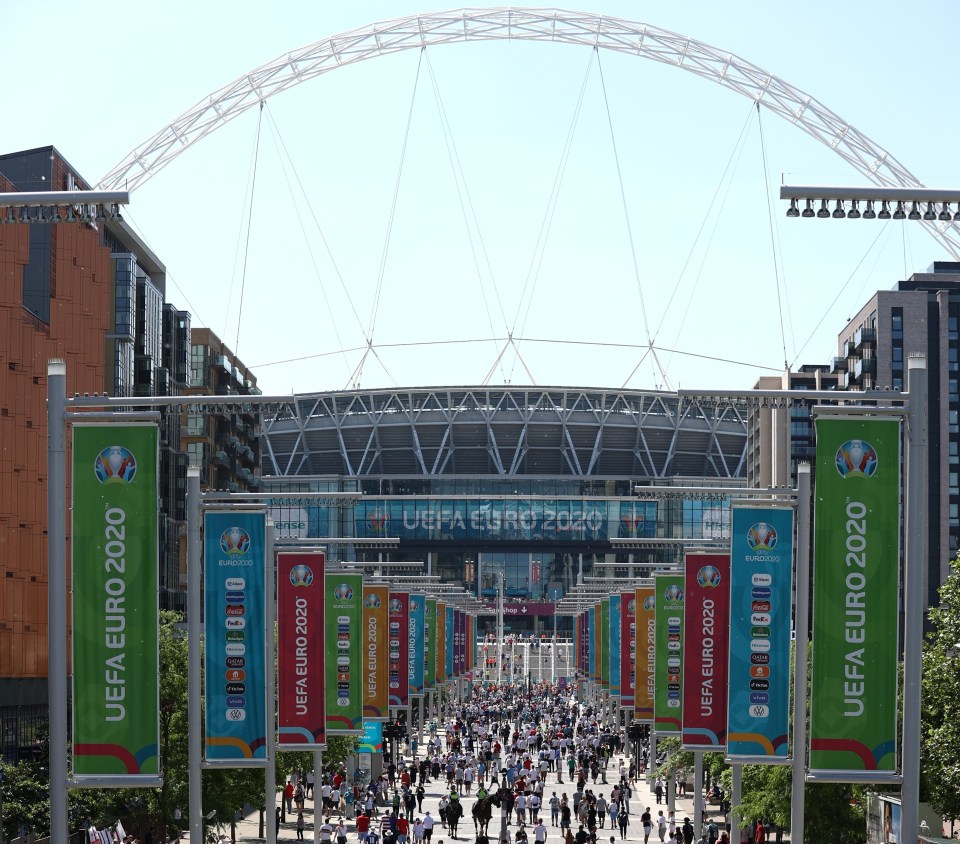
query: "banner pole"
317, 787
698, 792
913, 577
57, 594
802, 637
736, 796
270, 680
194, 597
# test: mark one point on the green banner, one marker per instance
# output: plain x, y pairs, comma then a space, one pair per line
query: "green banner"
604, 643
430, 644
115, 613
853, 713
668, 691
343, 665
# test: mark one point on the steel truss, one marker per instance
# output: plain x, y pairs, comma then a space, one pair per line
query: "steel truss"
507, 431
500, 24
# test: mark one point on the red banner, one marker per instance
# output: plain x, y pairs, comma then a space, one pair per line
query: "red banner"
646, 665
300, 656
628, 648
706, 622
399, 673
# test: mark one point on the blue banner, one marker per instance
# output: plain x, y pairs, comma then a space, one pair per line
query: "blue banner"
372, 739
416, 639
591, 639
614, 638
234, 635
761, 594
448, 653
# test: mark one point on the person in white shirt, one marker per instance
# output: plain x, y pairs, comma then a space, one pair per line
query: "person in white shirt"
540, 833
661, 825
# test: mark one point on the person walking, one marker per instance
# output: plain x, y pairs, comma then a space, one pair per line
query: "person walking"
661, 825
554, 810
623, 821
687, 831
301, 824
646, 822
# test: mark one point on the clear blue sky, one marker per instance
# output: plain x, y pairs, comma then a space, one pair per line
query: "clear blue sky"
97, 79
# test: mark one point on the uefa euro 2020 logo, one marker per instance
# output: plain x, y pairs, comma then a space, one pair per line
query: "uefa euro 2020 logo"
395, 605
761, 537
301, 575
343, 592
371, 601
115, 465
709, 577
379, 522
631, 606
857, 457
234, 541
649, 603
673, 594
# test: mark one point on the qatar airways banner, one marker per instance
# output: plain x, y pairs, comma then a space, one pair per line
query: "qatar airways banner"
398, 663
440, 629
613, 644
344, 666
300, 652
853, 698
234, 560
376, 601
761, 596
646, 654
115, 657
706, 621
628, 648
667, 709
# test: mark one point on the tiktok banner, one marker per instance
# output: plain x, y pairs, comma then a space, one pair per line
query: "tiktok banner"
344, 665
646, 653
856, 578
706, 638
613, 643
376, 666
398, 663
300, 651
669, 643
628, 648
761, 597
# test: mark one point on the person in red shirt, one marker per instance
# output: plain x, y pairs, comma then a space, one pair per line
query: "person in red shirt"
288, 795
760, 833
363, 827
403, 827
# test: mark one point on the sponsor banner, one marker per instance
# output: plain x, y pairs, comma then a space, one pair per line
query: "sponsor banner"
441, 629
853, 712
668, 688
398, 659
372, 739
613, 644
460, 638
234, 563
646, 666
415, 643
706, 619
115, 615
376, 666
761, 595
603, 642
430, 643
591, 644
345, 669
300, 650
449, 644
472, 639
628, 648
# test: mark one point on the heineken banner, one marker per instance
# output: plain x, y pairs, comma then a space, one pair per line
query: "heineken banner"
376, 600
115, 615
853, 712
628, 648
441, 629
430, 643
235, 651
613, 644
761, 595
592, 644
646, 653
668, 696
300, 658
706, 618
415, 643
448, 642
399, 662
344, 667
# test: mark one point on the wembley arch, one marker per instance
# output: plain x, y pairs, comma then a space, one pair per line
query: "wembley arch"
520, 24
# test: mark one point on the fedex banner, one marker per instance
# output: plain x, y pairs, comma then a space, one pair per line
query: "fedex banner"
613, 642
668, 687
853, 697
705, 619
646, 653
344, 667
399, 615
300, 655
234, 561
116, 724
376, 666
761, 595
628, 648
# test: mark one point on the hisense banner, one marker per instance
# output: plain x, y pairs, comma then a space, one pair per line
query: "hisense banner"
430, 644
344, 665
415, 643
300, 651
668, 700
235, 650
399, 662
706, 619
628, 648
646, 654
853, 712
613, 644
761, 596
115, 615
376, 666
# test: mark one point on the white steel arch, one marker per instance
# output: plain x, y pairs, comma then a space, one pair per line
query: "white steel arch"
506, 23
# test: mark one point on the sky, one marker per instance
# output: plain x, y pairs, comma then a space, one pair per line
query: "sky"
665, 230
